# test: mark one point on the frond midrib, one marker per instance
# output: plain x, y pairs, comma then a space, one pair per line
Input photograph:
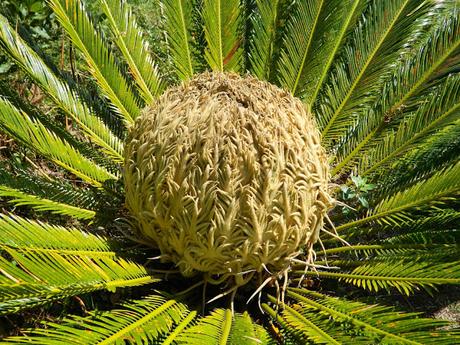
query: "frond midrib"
419, 280
120, 333
422, 201
358, 322
126, 53
307, 49
325, 131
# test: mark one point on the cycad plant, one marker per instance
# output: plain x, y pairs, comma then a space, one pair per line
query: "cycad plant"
139, 190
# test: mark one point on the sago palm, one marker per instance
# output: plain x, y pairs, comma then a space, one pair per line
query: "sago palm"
244, 188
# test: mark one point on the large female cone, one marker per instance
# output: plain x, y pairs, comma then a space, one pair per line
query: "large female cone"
226, 175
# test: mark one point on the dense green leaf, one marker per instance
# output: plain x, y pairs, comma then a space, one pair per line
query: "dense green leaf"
33, 134
178, 24
129, 40
377, 324
74, 19
59, 91
139, 322
356, 77
222, 21
41, 263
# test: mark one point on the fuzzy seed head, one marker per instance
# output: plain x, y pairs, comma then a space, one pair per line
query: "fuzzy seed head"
226, 175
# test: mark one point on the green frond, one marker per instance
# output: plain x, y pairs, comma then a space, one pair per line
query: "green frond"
435, 57
405, 275
394, 248
60, 191
266, 23
138, 322
102, 65
371, 323
33, 134
356, 76
61, 94
305, 328
178, 24
19, 198
413, 75
430, 193
293, 66
427, 237
343, 18
128, 38
439, 151
220, 327
427, 222
222, 25
245, 331
314, 33
41, 263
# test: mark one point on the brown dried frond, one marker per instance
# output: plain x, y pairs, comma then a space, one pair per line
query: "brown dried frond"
226, 175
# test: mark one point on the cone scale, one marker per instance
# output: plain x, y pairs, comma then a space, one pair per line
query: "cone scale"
225, 175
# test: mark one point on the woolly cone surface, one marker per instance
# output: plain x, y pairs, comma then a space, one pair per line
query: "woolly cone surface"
226, 174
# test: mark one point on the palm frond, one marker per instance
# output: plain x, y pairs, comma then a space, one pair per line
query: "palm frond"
306, 328
102, 65
371, 323
221, 327
42, 263
19, 198
222, 26
178, 24
436, 56
427, 237
438, 109
135, 50
344, 17
59, 91
356, 76
394, 248
33, 134
297, 45
426, 222
405, 275
138, 322
426, 194
414, 74
266, 23
58, 191
314, 33
439, 151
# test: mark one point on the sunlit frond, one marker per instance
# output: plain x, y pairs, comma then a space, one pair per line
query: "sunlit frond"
435, 57
59, 91
33, 134
297, 44
138, 322
375, 323
221, 327
135, 50
356, 76
102, 65
306, 328
314, 33
60, 191
264, 47
430, 193
178, 24
222, 21
41, 263
19, 198
343, 18
439, 151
